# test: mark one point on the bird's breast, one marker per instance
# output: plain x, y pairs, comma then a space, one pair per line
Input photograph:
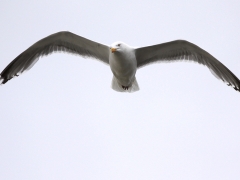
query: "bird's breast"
123, 67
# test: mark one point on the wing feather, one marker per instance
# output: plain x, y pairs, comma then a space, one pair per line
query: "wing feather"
62, 41
179, 50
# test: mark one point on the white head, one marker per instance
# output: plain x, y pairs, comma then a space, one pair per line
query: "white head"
119, 47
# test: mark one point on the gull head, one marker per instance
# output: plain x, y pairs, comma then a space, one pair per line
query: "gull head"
118, 47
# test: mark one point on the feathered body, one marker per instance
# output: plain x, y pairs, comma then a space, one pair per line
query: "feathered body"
123, 59
123, 64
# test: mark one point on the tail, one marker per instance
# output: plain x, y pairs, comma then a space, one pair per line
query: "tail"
117, 87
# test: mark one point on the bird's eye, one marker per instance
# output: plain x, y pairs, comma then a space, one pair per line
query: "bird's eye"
119, 45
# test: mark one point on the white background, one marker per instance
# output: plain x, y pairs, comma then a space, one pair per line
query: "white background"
61, 120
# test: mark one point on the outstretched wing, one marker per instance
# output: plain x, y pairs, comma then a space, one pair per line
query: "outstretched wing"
61, 41
179, 50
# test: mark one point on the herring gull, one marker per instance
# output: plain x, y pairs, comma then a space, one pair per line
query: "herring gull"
123, 59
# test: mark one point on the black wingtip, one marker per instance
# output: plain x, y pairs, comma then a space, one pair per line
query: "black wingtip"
3, 80
237, 89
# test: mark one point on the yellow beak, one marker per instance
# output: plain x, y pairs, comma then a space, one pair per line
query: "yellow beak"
113, 50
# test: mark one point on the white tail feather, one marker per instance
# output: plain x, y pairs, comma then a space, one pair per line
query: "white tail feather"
117, 87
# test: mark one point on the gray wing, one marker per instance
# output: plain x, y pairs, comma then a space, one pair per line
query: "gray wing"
180, 50
61, 41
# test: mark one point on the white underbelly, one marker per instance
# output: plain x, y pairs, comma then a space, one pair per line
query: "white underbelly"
123, 69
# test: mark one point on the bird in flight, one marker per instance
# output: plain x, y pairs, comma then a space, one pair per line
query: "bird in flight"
123, 59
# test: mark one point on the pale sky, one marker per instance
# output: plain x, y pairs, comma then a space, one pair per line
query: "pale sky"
61, 120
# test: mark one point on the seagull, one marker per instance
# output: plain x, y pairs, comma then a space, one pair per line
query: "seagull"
124, 60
